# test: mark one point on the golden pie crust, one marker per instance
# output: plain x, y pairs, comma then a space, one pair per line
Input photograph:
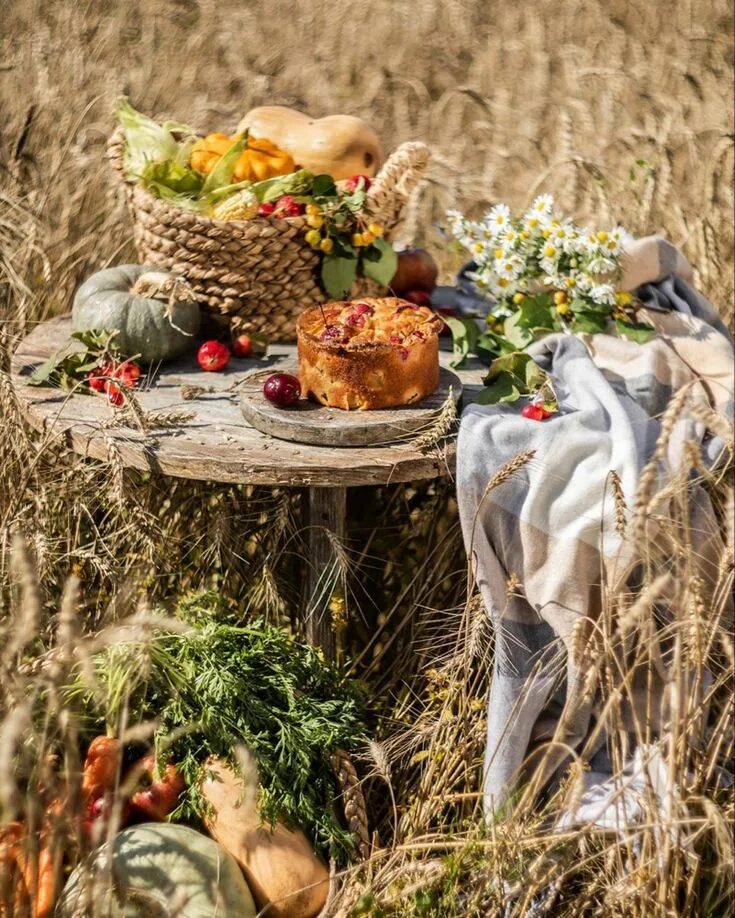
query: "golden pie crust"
368, 354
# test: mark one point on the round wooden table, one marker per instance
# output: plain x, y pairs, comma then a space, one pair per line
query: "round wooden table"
213, 442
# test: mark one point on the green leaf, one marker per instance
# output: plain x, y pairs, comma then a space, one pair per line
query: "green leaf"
502, 390
519, 337
535, 376
383, 269
42, 374
589, 323
489, 346
635, 331
180, 179
536, 313
465, 335
323, 186
338, 275
221, 175
296, 183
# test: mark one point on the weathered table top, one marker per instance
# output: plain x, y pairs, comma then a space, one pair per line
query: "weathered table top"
215, 442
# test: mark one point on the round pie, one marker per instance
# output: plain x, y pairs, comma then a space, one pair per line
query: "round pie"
369, 353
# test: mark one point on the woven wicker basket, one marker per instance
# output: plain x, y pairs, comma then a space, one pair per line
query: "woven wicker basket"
259, 274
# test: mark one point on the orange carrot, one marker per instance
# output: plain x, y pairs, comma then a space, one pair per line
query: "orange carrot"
101, 766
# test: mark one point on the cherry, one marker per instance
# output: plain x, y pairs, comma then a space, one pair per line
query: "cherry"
282, 389
355, 320
418, 298
265, 210
355, 182
213, 356
334, 334
242, 346
534, 412
287, 207
363, 309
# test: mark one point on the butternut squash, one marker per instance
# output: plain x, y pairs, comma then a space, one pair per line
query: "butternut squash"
280, 866
338, 145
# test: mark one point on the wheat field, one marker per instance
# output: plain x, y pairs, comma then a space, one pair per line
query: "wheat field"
624, 112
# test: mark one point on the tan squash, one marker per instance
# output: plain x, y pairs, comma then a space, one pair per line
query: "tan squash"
339, 145
280, 866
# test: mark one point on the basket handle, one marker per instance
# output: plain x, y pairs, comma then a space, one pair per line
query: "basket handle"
392, 187
115, 152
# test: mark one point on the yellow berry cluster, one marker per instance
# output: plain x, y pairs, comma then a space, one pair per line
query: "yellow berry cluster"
316, 235
374, 231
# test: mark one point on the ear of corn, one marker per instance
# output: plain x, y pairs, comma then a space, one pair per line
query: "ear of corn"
240, 206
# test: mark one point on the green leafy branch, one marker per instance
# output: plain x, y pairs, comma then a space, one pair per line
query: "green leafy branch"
72, 365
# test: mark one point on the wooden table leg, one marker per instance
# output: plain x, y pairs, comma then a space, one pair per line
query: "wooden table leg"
326, 513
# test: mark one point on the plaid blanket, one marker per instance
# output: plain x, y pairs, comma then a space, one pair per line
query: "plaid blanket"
541, 541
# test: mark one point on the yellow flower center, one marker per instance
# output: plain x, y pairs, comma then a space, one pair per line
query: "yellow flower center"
602, 236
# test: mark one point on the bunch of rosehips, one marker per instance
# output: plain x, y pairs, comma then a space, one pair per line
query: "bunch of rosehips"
112, 377
285, 206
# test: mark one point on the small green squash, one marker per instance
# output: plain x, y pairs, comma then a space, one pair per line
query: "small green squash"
159, 870
155, 314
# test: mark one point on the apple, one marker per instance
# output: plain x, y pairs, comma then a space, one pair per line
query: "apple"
416, 270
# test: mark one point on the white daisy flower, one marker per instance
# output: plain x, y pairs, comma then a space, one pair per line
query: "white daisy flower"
542, 206
604, 294
497, 219
601, 265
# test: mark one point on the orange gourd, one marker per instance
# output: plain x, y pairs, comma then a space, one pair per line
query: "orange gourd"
338, 145
261, 160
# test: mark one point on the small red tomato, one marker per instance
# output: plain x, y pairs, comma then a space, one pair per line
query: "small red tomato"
282, 389
355, 182
213, 356
418, 298
533, 413
265, 210
242, 346
287, 207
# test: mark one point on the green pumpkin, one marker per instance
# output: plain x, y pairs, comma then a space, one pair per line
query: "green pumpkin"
159, 870
154, 314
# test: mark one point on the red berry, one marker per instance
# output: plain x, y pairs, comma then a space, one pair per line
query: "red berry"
287, 207
96, 381
129, 372
396, 339
418, 298
533, 413
282, 389
213, 356
363, 309
334, 334
114, 393
242, 346
355, 182
355, 320
265, 210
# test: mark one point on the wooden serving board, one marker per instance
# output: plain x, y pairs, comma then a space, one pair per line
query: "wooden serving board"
310, 422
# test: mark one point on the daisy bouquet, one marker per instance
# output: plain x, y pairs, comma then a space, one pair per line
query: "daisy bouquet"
541, 273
